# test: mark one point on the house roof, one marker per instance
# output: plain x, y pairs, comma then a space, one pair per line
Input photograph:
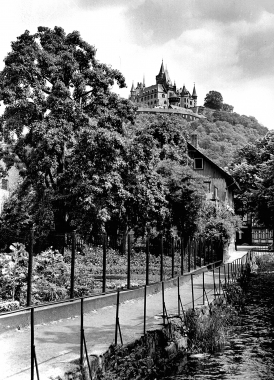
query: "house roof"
224, 173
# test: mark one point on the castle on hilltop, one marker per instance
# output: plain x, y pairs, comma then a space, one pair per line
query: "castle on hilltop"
163, 94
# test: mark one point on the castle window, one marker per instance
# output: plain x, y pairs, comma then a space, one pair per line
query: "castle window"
198, 163
163, 95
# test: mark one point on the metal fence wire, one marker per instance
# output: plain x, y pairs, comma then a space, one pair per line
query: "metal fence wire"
116, 262
218, 278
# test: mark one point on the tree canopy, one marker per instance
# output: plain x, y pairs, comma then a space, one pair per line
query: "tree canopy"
86, 161
227, 107
214, 100
253, 169
222, 133
59, 106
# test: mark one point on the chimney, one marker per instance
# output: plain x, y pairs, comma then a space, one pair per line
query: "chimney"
194, 140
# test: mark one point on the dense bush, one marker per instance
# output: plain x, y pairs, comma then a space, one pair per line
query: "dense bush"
50, 278
218, 222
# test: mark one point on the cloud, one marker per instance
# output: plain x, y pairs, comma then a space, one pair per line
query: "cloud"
256, 51
156, 22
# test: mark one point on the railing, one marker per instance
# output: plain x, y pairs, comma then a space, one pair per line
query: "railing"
144, 260
214, 288
210, 285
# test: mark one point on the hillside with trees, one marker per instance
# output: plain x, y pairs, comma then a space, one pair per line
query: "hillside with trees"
222, 133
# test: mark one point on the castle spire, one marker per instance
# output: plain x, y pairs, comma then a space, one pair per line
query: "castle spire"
144, 82
194, 94
162, 70
161, 77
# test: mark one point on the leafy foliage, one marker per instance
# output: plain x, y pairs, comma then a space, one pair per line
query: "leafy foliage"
227, 107
214, 100
218, 222
253, 168
14, 272
58, 97
223, 133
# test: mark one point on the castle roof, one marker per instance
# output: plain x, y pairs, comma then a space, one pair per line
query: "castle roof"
162, 70
194, 94
184, 91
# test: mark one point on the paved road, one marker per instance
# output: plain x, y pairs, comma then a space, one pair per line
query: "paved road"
57, 343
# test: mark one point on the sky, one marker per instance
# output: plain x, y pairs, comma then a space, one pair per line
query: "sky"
221, 45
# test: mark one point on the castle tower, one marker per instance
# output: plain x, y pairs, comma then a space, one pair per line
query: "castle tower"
161, 77
132, 92
194, 96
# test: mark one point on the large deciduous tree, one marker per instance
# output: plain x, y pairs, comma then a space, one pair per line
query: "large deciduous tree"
58, 107
214, 100
253, 169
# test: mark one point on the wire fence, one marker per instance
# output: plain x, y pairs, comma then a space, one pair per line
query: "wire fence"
203, 289
117, 262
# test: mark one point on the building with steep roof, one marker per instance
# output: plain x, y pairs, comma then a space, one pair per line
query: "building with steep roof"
163, 94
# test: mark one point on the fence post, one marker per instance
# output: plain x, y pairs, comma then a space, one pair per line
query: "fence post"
178, 291
182, 255
192, 292
147, 261
214, 283
172, 257
30, 267
161, 258
194, 252
72, 265
32, 344
163, 302
145, 308
117, 317
189, 254
219, 280
82, 335
128, 259
203, 288
200, 248
104, 262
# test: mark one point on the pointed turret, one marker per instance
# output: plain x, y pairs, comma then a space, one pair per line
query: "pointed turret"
194, 94
162, 70
161, 77
184, 91
144, 82
132, 92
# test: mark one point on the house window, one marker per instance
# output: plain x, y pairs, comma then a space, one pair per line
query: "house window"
163, 95
208, 186
198, 163
4, 184
215, 192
